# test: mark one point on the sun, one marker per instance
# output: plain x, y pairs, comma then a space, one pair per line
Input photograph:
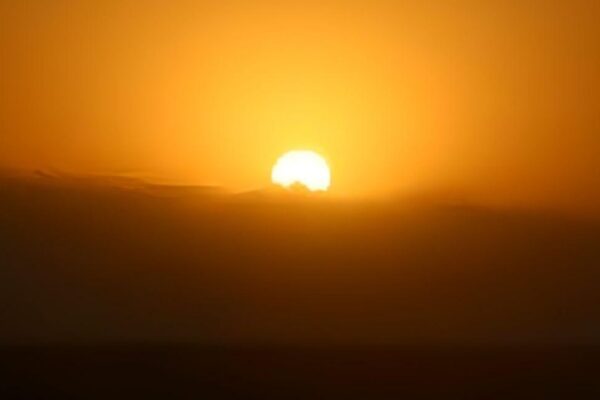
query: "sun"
303, 167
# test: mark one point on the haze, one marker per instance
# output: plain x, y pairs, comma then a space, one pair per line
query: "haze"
495, 101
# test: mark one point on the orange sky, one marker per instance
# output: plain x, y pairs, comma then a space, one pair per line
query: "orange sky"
499, 99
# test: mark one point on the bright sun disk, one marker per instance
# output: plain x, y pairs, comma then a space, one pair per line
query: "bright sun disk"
303, 167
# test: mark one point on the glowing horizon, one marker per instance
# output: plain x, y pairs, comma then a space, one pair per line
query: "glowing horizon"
400, 96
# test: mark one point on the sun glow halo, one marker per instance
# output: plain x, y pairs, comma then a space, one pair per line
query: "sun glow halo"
303, 167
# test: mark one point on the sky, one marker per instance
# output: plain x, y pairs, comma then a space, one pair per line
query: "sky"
496, 100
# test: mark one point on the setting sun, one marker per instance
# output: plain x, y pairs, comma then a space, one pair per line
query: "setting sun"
302, 167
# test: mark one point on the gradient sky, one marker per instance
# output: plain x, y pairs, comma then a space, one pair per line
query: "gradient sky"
500, 100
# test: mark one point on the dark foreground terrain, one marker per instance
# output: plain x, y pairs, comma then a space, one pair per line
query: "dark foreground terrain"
289, 296
173, 372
